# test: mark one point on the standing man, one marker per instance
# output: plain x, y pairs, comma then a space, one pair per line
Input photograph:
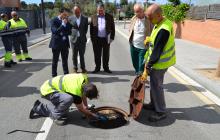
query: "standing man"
102, 32
7, 42
78, 37
60, 28
140, 28
159, 57
19, 38
62, 91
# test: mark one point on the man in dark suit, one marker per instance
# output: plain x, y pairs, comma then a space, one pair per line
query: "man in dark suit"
102, 32
78, 37
59, 43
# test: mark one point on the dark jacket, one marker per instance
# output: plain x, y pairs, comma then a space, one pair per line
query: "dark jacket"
83, 27
110, 26
59, 32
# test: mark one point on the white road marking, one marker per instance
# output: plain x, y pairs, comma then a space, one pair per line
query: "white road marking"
46, 127
206, 96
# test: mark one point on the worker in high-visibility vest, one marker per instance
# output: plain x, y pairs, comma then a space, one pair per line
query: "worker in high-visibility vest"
62, 91
19, 38
159, 57
7, 42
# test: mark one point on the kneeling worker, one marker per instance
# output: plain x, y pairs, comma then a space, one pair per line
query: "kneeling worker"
62, 91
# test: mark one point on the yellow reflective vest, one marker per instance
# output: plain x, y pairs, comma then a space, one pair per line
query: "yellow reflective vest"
2, 25
70, 83
168, 56
18, 24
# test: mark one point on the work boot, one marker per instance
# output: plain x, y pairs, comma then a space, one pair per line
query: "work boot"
7, 64
13, 63
60, 121
148, 106
157, 116
32, 112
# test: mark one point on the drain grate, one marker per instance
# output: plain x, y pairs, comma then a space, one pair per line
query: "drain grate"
116, 117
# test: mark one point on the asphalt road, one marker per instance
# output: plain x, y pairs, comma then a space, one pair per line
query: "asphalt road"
189, 117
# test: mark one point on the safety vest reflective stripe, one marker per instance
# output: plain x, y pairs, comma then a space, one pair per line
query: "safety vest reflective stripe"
169, 50
167, 59
60, 84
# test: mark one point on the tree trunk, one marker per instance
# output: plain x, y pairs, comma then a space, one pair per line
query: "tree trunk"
218, 69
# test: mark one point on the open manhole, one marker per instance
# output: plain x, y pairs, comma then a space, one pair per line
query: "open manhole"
116, 117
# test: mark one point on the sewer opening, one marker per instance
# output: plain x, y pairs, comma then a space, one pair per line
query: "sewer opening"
116, 117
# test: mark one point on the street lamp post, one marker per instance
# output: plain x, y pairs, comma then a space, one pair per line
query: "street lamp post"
43, 16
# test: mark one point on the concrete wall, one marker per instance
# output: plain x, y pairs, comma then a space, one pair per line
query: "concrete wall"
204, 32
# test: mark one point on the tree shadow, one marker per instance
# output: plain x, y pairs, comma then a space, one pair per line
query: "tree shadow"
11, 78
204, 114
107, 79
177, 87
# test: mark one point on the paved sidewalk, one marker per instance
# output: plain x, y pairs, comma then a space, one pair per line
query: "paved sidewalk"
191, 57
35, 37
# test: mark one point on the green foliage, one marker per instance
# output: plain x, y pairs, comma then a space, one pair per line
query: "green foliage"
123, 2
175, 13
24, 5
175, 2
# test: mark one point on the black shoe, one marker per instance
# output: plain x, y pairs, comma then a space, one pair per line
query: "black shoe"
84, 71
32, 112
60, 121
28, 59
96, 71
13, 63
148, 107
157, 116
107, 70
7, 64
20, 60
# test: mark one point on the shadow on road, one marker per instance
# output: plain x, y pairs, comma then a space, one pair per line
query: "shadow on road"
107, 79
177, 87
203, 114
116, 73
11, 78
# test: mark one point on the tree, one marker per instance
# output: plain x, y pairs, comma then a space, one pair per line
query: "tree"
175, 2
33, 6
123, 2
24, 5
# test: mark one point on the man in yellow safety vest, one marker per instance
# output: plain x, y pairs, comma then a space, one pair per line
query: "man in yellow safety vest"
62, 91
159, 57
19, 38
7, 42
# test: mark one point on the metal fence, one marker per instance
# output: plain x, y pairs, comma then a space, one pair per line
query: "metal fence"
204, 12
33, 18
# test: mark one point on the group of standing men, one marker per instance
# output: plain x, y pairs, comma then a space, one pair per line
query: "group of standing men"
102, 32
13, 33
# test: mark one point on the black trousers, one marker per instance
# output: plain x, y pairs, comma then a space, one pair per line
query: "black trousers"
7, 42
64, 51
79, 48
19, 42
101, 49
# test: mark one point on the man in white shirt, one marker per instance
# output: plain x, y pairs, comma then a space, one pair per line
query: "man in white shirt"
140, 28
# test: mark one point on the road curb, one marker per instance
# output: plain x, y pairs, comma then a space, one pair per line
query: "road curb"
205, 82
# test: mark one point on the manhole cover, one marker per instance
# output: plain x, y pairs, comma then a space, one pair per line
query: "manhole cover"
116, 117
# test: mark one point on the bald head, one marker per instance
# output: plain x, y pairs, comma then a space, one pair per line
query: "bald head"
77, 11
154, 13
139, 10
14, 15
